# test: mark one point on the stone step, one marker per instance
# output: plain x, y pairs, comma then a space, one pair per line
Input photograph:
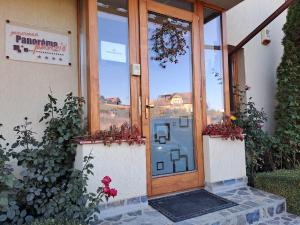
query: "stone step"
254, 207
283, 219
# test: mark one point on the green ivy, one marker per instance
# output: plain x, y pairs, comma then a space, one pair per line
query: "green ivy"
51, 188
7, 179
56, 222
287, 113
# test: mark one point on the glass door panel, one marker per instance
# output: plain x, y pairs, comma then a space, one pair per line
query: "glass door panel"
170, 97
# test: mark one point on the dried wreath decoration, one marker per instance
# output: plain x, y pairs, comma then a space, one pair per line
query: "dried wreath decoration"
169, 42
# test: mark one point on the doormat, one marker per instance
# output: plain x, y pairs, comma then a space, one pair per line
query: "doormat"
190, 204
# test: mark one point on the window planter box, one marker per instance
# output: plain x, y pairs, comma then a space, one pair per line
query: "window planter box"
224, 163
125, 164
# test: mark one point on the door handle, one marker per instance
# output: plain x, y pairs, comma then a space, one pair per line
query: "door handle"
147, 107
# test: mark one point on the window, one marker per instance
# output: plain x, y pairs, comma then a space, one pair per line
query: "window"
114, 72
213, 66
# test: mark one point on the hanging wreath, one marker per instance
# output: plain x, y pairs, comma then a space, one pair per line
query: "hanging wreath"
169, 42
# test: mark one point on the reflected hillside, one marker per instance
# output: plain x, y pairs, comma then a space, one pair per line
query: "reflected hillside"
113, 112
172, 105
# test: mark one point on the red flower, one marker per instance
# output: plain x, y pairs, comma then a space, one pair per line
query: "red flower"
106, 191
113, 192
106, 181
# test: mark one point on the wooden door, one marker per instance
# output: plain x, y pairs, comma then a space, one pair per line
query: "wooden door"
171, 98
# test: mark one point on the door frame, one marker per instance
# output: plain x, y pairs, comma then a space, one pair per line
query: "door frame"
187, 180
138, 17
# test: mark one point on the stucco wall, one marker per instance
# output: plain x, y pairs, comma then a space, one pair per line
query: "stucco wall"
24, 85
261, 61
128, 172
219, 166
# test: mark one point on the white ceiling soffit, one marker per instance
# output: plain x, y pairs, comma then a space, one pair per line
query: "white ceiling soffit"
225, 4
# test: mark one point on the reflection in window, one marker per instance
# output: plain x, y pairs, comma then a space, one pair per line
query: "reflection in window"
114, 77
213, 66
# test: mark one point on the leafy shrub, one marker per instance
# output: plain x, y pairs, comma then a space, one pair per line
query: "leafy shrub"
56, 222
125, 133
225, 130
258, 143
7, 179
284, 183
51, 188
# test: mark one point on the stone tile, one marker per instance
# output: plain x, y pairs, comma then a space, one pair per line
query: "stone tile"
152, 213
229, 182
144, 199
243, 193
241, 220
255, 207
136, 213
253, 217
217, 223
284, 219
251, 203
105, 223
280, 208
114, 218
225, 213
115, 204
129, 219
131, 201
185, 223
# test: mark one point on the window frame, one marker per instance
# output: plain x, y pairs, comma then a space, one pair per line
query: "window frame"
92, 56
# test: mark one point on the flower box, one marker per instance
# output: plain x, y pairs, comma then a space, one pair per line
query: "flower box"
124, 163
224, 160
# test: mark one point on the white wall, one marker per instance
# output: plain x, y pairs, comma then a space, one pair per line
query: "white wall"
24, 85
223, 159
261, 61
125, 164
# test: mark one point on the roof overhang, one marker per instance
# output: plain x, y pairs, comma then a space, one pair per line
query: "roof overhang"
224, 4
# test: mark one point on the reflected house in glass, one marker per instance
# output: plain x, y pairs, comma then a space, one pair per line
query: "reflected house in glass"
180, 101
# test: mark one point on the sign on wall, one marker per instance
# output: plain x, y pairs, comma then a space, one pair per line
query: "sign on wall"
32, 45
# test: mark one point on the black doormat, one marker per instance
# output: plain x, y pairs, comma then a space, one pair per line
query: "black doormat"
190, 204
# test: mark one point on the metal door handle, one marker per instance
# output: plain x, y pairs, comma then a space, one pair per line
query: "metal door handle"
149, 106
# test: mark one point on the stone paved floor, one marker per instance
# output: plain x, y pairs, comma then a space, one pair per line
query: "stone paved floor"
285, 219
254, 206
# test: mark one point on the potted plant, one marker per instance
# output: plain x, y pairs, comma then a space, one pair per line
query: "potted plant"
224, 154
120, 152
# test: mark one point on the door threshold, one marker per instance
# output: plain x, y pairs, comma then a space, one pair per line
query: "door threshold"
174, 193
